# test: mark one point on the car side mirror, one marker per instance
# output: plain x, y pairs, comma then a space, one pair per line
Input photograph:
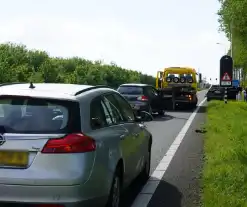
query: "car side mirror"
144, 117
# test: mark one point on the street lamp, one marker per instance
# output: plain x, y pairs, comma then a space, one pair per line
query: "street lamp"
226, 51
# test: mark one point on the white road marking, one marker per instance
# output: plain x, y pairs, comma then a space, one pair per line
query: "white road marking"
144, 197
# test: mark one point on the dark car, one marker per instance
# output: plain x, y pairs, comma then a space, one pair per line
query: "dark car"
142, 97
215, 93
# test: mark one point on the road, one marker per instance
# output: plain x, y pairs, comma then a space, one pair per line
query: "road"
165, 130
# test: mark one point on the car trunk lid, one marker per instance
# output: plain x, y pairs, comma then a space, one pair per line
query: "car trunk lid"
26, 124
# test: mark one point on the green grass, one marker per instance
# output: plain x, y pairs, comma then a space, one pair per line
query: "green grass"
224, 177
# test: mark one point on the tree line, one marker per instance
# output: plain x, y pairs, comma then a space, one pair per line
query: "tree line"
19, 64
233, 21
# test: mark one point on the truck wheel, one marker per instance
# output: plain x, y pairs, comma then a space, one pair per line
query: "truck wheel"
194, 105
150, 110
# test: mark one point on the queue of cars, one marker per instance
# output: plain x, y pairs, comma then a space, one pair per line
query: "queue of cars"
72, 145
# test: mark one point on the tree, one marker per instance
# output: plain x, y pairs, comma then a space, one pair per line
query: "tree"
233, 19
18, 64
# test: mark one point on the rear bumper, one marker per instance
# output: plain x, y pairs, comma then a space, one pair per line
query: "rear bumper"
215, 97
69, 196
140, 106
185, 101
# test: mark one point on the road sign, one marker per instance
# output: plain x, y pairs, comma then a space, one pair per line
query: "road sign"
226, 68
226, 77
235, 83
226, 83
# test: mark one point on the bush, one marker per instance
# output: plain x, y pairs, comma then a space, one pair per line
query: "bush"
17, 64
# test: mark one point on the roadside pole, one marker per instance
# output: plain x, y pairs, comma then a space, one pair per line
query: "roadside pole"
225, 96
173, 98
226, 72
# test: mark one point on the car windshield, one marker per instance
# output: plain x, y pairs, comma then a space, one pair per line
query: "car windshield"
132, 90
25, 115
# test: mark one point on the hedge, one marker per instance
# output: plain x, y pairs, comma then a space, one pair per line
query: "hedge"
19, 64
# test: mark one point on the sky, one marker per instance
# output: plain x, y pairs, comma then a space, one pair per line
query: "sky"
142, 35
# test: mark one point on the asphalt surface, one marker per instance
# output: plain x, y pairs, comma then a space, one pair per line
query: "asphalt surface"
180, 185
164, 130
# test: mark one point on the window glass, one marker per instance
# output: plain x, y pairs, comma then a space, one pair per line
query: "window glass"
113, 109
125, 108
107, 114
98, 115
33, 115
132, 90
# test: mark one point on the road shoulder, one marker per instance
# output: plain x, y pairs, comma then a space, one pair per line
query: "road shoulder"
180, 185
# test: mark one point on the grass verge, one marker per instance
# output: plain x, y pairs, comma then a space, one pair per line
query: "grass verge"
224, 178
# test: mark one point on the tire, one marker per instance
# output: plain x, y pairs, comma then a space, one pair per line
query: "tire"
193, 106
150, 110
208, 99
145, 174
161, 112
115, 192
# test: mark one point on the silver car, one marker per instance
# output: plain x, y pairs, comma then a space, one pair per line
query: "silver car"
69, 145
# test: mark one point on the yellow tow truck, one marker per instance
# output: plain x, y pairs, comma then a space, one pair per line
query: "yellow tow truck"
178, 85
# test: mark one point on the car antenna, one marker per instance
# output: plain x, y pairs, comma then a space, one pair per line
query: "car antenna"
31, 85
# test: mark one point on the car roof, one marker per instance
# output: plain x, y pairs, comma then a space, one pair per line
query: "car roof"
135, 84
45, 90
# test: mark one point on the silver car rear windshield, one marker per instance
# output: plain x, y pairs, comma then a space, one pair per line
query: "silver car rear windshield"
33, 115
131, 90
